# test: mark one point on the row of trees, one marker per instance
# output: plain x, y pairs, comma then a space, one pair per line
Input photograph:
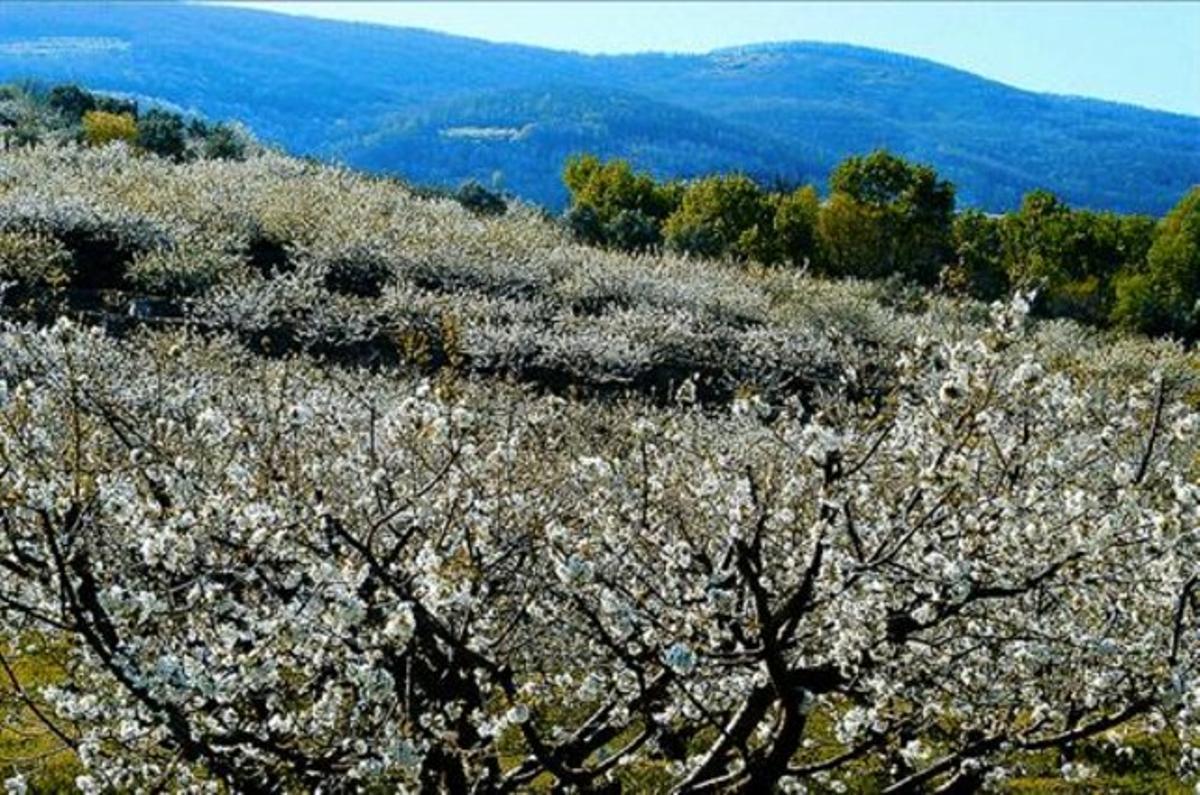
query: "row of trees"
1127, 271
32, 114
885, 216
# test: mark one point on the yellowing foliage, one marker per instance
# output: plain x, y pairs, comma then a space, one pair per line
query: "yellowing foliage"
101, 127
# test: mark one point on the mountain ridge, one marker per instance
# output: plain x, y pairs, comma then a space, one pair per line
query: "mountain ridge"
365, 93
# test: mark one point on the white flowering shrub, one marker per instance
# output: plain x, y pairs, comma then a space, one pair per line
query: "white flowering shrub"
101, 241
328, 261
847, 545
34, 259
182, 271
278, 575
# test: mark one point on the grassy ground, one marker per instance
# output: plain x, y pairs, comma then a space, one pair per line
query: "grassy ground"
27, 746
1146, 765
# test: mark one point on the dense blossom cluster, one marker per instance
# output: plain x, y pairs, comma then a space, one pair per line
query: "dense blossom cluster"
278, 574
322, 259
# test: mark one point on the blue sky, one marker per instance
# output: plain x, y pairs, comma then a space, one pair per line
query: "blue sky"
1139, 52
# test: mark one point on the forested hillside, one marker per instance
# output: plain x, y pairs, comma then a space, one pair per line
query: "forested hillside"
439, 108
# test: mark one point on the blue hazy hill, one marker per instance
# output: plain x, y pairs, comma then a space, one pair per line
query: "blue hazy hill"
438, 108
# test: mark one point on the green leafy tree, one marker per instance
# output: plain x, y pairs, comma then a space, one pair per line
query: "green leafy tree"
853, 238
162, 133
584, 222
116, 105
479, 200
1142, 303
101, 127
614, 206
1072, 256
223, 142
198, 128
978, 270
795, 225
1038, 239
697, 240
905, 211
71, 101
633, 230
1136, 234
613, 186
1162, 297
724, 216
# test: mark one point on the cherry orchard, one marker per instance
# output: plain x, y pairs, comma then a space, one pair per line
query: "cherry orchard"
281, 575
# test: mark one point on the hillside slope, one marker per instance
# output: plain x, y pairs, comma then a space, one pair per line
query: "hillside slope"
301, 429
412, 101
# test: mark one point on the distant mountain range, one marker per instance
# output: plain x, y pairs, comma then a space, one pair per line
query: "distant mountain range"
442, 109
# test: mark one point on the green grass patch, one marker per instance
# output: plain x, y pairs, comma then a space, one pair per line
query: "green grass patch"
27, 746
